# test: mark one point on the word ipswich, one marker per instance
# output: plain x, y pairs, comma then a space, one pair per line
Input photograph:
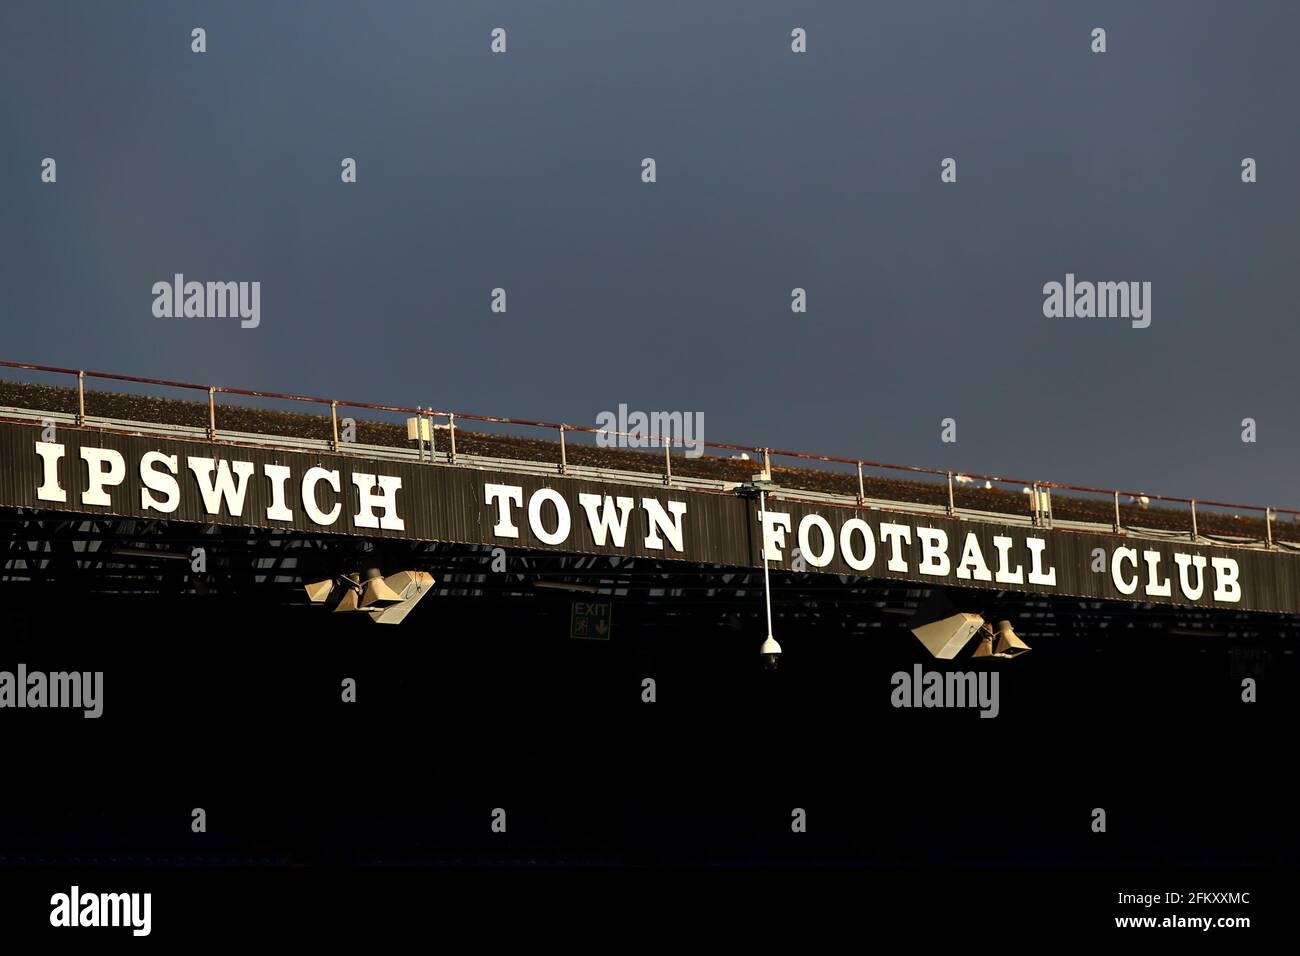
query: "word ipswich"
221, 482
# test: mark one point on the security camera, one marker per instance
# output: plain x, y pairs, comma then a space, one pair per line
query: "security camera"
771, 652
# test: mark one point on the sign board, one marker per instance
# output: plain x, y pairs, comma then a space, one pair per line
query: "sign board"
88, 471
590, 621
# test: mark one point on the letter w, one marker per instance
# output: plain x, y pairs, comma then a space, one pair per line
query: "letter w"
603, 520
224, 488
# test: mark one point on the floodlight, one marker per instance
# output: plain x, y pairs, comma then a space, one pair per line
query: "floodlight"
319, 591
409, 586
942, 628
1009, 645
377, 591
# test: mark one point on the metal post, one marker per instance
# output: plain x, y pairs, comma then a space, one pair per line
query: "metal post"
767, 589
1194, 519
564, 455
212, 412
951, 507
1268, 525
451, 430
862, 492
334, 422
668, 463
767, 463
81, 398
433, 436
1117, 523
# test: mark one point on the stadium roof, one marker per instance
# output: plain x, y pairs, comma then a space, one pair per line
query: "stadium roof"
571, 445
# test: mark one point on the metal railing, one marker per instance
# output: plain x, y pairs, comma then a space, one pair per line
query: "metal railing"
1039, 500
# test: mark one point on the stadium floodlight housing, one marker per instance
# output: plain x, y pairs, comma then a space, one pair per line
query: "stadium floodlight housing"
942, 628
1009, 644
385, 600
319, 591
348, 603
411, 586
945, 630
378, 592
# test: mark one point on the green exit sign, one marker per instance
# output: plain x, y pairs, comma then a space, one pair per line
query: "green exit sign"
590, 621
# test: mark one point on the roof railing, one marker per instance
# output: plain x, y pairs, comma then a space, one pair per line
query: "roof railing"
1036, 488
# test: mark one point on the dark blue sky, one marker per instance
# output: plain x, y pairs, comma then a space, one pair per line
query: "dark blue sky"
775, 170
